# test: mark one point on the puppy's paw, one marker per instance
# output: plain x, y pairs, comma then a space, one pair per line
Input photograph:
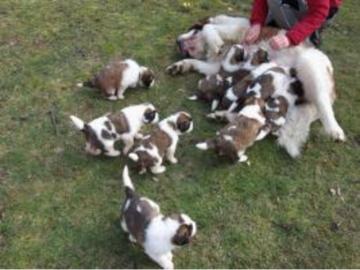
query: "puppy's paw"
211, 116
158, 169
193, 97
168, 265
113, 153
139, 136
337, 134
173, 160
177, 68
243, 158
202, 146
132, 239
112, 98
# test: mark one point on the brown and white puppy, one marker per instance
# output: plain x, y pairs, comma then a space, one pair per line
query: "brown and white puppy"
102, 133
157, 234
161, 142
117, 76
212, 89
241, 133
276, 109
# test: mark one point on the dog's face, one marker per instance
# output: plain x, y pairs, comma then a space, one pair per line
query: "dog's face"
259, 56
147, 77
183, 122
151, 115
192, 44
237, 54
185, 231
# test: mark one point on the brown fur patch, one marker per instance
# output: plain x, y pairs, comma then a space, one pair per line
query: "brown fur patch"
212, 87
92, 138
136, 221
108, 80
183, 235
160, 139
150, 115
266, 84
200, 24
260, 56
120, 122
243, 131
147, 77
239, 56
183, 122
279, 103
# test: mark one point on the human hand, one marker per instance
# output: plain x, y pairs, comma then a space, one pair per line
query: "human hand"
280, 41
252, 34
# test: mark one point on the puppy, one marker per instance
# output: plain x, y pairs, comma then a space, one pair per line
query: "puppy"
160, 143
276, 109
102, 133
157, 234
212, 89
241, 133
117, 76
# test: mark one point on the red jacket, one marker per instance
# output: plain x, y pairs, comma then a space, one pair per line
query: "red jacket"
318, 10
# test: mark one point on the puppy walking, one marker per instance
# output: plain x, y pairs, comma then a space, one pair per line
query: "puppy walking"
241, 133
162, 142
102, 133
117, 76
157, 234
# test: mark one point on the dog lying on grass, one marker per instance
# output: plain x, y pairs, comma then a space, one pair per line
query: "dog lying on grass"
157, 234
102, 133
119, 75
161, 143
204, 42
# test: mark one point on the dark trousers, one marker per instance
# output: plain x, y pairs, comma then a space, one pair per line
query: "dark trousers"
315, 37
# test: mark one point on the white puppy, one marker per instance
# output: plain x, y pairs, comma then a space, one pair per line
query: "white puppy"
102, 133
161, 142
118, 75
156, 233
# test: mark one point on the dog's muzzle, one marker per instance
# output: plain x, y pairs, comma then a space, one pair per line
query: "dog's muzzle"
182, 48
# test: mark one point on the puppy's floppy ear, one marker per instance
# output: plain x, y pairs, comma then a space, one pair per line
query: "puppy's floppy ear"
263, 56
183, 235
239, 55
147, 77
79, 124
150, 115
183, 123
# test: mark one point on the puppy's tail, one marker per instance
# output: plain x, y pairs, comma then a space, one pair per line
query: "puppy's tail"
128, 185
209, 144
89, 83
80, 124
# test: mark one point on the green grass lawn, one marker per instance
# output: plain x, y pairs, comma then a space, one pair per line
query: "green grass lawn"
60, 208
